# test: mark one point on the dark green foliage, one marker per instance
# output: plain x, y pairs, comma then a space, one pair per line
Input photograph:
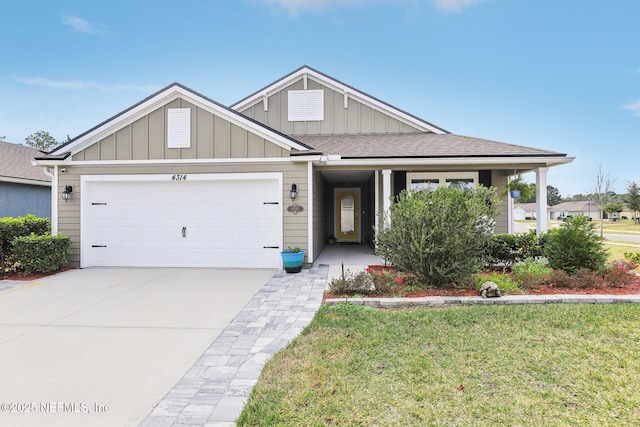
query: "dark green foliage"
10, 228
574, 245
509, 249
440, 236
40, 254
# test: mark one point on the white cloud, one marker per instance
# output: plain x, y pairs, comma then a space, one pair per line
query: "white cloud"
83, 26
455, 5
634, 107
83, 85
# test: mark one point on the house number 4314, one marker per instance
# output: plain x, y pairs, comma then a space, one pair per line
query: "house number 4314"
179, 177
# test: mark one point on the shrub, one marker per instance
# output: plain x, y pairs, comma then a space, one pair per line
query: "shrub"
632, 256
504, 281
562, 279
440, 236
509, 249
531, 273
586, 278
574, 245
617, 274
10, 228
352, 284
40, 254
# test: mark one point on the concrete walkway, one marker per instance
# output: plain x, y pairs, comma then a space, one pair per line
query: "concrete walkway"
213, 392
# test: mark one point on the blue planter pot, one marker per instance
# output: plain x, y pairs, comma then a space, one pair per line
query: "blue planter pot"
292, 262
515, 193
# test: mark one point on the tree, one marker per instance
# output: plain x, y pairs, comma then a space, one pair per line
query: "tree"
632, 199
40, 140
553, 195
612, 207
602, 192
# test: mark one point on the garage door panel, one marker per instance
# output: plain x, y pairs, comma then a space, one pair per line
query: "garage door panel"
226, 223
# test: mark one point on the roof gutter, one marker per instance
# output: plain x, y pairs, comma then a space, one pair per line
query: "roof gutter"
446, 161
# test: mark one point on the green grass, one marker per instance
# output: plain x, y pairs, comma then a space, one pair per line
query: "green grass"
621, 227
542, 365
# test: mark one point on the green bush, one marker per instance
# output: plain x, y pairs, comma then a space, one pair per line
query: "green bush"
531, 273
574, 245
509, 249
10, 228
352, 284
440, 236
632, 256
40, 254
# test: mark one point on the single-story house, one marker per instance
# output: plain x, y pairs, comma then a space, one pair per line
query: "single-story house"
24, 187
522, 211
182, 180
566, 209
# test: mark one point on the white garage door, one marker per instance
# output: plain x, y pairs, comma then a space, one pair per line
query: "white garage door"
182, 220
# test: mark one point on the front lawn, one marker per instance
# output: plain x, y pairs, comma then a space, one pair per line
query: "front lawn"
560, 365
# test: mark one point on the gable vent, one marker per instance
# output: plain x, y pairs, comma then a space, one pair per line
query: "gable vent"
306, 105
179, 127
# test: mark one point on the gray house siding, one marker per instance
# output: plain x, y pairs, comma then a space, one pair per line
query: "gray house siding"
358, 117
211, 137
22, 199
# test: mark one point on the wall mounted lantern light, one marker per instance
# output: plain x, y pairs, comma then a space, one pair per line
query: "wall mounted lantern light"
66, 194
294, 192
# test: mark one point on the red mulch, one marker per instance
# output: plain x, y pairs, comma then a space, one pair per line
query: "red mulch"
630, 289
34, 276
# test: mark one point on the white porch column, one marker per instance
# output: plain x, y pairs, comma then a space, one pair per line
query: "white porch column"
541, 200
386, 191
376, 197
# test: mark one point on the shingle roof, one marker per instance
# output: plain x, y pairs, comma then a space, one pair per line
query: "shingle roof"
416, 145
15, 162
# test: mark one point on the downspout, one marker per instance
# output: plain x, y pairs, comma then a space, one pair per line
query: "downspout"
54, 196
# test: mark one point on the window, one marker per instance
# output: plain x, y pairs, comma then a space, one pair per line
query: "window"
179, 127
419, 181
306, 105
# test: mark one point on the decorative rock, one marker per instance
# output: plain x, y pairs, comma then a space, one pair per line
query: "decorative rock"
489, 290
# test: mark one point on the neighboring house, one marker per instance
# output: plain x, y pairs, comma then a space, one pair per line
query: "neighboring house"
565, 209
24, 188
522, 211
181, 180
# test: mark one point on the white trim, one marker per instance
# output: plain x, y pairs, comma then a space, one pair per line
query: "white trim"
450, 161
541, 200
356, 212
376, 198
25, 181
310, 251
165, 97
442, 177
386, 193
305, 72
85, 179
54, 197
176, 161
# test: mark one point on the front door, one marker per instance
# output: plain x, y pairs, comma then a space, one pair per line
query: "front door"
347, 224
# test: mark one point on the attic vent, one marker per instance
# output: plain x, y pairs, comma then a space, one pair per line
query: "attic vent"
306, 105
179, 127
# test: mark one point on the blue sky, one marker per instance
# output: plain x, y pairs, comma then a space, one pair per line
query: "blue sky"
560, 75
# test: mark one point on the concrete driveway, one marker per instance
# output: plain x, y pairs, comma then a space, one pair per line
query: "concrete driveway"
102, 346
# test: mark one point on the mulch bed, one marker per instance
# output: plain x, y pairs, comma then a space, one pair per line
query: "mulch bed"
630, 289
27, 277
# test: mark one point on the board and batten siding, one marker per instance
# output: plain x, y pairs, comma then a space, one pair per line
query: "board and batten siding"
499, 182
211, 137
356, 118
295, 227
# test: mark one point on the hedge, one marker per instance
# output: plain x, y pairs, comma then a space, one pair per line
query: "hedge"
509, 249
39, 254
10, 228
